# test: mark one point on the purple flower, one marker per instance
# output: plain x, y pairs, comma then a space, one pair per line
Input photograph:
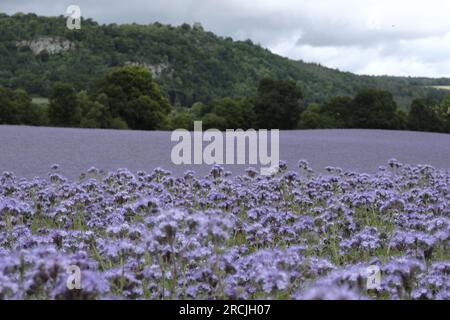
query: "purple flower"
329, 293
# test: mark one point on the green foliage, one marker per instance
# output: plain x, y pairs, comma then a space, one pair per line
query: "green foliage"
206, 77
64, 109
314, 118
130, 93
371, 108
193, 65
446, 102
237, 113
16, 107
68, 108
199, 109
401, 118
278, 104
143, 113
425, 115
340, 109
126, 98
374, 109
445, 107
181, 120
213, 121
94, 113
118, 123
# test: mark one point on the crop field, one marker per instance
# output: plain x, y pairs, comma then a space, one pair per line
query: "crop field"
40, 100
31, 151
442, 87
294, 235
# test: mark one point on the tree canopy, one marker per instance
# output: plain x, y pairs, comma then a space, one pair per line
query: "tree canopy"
130, 94
278, 104
190, 64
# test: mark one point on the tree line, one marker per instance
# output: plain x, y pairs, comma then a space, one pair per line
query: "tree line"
128, 97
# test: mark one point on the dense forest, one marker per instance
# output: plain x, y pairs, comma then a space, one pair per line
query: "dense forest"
190, 64
159, 77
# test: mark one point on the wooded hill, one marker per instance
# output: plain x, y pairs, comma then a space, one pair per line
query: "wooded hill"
189, 63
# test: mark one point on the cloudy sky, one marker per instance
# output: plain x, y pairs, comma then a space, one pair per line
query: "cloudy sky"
395, 37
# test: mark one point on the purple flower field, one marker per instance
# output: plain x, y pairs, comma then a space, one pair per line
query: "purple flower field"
295, 235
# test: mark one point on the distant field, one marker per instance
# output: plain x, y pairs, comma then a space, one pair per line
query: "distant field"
31, 151
40, 100
442, 87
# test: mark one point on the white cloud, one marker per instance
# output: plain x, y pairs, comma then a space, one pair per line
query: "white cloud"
398, 37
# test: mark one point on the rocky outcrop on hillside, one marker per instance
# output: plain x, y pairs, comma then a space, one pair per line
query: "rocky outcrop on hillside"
52, 45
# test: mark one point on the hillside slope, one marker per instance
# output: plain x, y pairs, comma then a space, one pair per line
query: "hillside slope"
189, 63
